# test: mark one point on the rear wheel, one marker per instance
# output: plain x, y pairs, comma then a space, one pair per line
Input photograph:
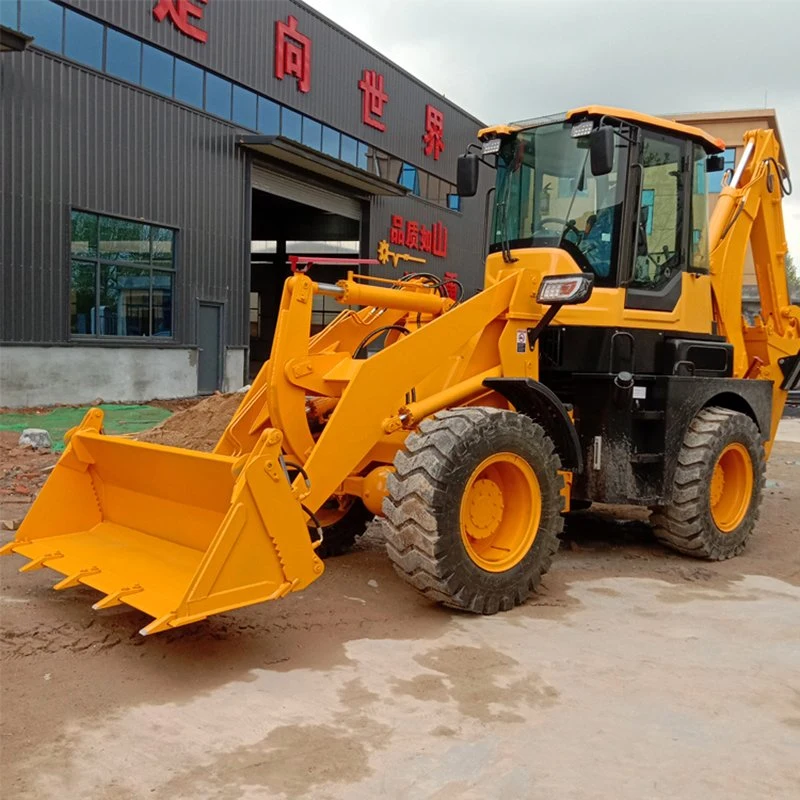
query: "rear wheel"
717, 487
473, 510
343, 520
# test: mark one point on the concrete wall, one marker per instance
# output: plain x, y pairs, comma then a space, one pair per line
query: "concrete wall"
40, 376
233, 375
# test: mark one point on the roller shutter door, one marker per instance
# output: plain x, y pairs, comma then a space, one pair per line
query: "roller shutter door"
267, 181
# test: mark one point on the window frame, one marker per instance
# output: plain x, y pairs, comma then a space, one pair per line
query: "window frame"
715, 178
98, 263
665, 297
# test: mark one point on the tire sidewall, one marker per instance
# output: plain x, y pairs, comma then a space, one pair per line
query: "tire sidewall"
735, 431
479, 444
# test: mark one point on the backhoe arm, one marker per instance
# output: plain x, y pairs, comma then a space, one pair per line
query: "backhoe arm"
748, 212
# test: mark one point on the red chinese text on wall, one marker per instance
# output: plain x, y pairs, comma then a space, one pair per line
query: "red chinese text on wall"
179, 12
434, 132
411, 234
292, 53
373, 99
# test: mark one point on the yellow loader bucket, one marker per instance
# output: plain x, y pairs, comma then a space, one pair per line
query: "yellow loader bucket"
177, 534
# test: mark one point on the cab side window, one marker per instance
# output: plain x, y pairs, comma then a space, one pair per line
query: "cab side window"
658, 240
699, 259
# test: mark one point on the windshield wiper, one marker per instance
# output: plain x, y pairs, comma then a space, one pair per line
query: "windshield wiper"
580, 185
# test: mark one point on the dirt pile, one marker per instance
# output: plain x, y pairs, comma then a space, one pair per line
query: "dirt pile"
23, 470
198, 427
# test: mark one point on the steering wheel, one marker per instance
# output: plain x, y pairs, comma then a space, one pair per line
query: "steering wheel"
569, 224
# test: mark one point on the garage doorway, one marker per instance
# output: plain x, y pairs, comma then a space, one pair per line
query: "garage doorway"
293, 218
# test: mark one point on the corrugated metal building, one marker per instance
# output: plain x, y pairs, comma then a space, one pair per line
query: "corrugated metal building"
161, 160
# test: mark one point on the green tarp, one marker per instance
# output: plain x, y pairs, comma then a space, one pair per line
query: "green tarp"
118, 419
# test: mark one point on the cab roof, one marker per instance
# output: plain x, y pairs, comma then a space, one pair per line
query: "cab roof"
712, 144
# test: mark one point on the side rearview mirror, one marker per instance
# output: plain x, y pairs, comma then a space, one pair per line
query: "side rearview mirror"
601, 150
467, 175
715, 163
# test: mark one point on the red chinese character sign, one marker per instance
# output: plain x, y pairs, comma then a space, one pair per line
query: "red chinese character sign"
434, 132
373, 99
415, 236
179, 12
292, 54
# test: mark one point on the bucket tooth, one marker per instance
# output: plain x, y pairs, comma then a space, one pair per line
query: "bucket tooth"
76, 578
10, 547
116, 598
38, 563
158, 625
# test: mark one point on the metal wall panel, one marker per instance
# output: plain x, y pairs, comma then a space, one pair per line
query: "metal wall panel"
73, 138
241, 46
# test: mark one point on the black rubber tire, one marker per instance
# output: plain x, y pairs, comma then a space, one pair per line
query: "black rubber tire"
422, 508
340, 536
686, 524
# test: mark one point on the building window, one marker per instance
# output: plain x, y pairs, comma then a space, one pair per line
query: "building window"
330, 141
123, 56
244, 107
269, 116
349, 149
291, 124
715, 178
83, 40
122, 277
218, 96
409, 177
362, 161
157, 69
44, 20
312, 133
188, 83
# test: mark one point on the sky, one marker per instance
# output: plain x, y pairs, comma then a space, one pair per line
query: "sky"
503, 60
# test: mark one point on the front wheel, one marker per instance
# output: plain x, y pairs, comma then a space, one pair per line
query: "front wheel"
473, 510
343, 520
717, 487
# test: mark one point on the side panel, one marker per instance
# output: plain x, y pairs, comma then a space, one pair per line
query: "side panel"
631, 436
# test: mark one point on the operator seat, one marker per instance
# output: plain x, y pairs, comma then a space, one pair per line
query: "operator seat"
597, 240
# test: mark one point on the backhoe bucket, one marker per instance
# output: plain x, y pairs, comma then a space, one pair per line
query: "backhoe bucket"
177, 534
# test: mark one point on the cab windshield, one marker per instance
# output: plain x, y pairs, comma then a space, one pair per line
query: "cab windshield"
546, 196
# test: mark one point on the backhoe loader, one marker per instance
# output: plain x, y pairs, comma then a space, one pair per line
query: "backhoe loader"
605, 359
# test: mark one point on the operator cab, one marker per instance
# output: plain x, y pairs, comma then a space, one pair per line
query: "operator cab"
624, 194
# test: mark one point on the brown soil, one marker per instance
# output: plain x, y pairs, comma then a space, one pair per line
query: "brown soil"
196, 427
23, 470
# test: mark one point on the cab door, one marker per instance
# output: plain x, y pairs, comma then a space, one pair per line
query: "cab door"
659, 249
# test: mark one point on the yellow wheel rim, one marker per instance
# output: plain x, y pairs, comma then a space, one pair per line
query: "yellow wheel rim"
500, 512
731, 487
